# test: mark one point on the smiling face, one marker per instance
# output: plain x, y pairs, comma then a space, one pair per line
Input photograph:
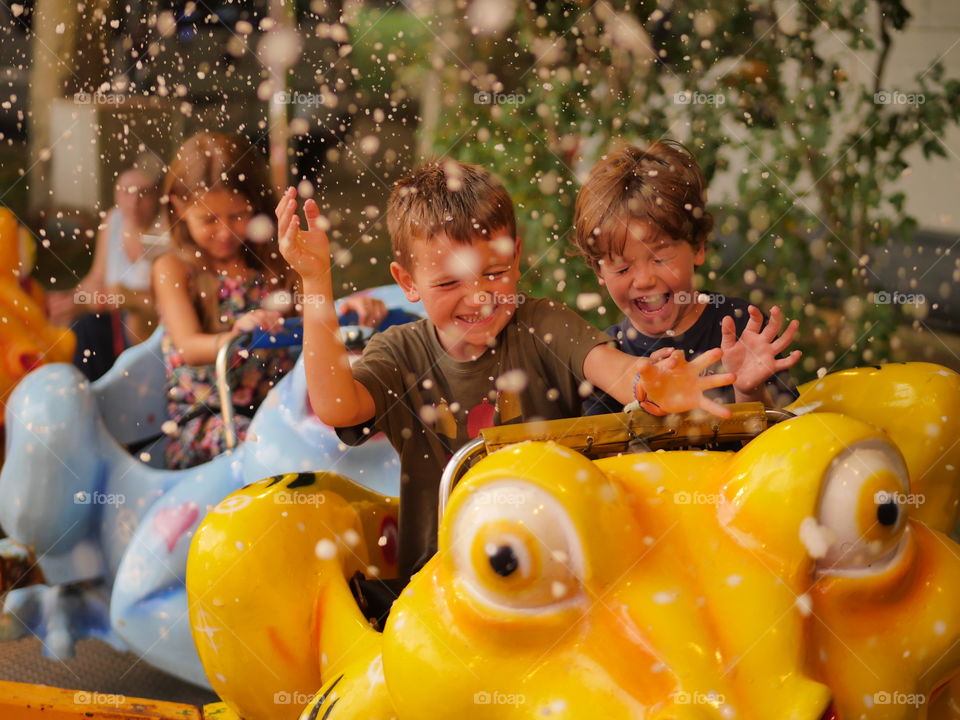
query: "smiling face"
469, 291
651, 281
217, 222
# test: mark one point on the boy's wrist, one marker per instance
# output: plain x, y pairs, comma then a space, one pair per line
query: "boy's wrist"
318, 286
753, 394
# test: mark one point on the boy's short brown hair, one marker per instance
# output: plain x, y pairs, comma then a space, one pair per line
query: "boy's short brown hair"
661, 184
457, 199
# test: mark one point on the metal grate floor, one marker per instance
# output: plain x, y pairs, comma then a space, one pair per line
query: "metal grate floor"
96, 667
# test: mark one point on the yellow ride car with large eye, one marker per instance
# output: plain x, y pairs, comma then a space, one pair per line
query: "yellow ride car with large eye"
801, 577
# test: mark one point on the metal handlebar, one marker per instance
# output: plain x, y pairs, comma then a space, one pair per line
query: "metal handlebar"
223, 390
636, 431
354, 337
291, 336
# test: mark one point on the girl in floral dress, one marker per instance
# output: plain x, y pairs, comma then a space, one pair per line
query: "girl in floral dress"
213, 286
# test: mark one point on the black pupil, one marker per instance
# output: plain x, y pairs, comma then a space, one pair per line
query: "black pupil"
887, 513
503, 561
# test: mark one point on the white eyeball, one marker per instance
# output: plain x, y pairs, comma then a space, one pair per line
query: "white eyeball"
515, 549
863, 508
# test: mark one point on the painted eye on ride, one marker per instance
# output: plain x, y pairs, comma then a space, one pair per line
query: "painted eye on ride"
863, 508
516, 549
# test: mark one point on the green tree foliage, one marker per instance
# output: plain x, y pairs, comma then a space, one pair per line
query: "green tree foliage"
789, 96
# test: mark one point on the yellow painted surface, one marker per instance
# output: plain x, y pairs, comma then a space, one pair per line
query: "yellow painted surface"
267, 567
218, 711
20, 701
799, 578
26, 338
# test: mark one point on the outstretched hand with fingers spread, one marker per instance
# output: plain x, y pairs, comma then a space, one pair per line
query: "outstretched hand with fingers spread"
671, 384
753, 356
307, 251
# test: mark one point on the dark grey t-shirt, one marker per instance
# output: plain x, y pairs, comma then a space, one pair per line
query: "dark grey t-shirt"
428, 404
704, 335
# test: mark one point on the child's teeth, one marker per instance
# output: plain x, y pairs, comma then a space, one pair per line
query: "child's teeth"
652, 302
483, 315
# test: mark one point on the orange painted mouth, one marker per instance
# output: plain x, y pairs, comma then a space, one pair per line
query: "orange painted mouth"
937, 690
30, 360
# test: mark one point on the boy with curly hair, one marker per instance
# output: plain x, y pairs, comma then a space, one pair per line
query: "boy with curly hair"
641, 223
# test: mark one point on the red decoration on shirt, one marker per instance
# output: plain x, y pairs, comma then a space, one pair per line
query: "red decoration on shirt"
480, 416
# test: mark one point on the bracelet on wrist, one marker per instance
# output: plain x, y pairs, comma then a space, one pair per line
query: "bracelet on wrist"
639, 391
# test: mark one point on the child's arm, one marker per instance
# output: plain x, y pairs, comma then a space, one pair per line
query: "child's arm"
171, 285
337, 398
753, 356
664, 386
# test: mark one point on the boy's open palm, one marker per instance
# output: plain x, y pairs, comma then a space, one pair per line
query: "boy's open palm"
753, 356
307, 251
674, 385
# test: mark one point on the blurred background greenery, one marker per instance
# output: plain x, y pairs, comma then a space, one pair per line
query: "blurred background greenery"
805, 116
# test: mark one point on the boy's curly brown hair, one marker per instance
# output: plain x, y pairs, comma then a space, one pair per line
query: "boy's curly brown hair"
661, 184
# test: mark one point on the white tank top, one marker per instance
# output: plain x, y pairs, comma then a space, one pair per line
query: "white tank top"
133, 274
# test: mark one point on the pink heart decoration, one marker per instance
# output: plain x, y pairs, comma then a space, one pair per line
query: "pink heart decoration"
170, 523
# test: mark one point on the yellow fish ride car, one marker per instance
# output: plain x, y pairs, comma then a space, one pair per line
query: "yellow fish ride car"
807, 576
27, 340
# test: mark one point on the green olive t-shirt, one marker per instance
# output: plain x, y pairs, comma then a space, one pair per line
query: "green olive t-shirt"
429, 404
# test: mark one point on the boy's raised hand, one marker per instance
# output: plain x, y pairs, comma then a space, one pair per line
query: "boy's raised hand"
307, 251
753, 356
671, 384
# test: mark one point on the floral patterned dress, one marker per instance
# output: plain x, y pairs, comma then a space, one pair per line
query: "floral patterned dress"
193, 402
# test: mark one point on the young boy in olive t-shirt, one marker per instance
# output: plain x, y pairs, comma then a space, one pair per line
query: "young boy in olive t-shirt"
483, 355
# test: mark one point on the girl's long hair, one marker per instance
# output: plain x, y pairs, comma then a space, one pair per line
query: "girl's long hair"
209, 162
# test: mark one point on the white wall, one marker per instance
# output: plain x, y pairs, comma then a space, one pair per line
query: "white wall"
933, 186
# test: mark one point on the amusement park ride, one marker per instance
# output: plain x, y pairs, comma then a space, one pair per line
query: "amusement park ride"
587, 568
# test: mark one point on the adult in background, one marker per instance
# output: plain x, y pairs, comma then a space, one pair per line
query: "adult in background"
112, 307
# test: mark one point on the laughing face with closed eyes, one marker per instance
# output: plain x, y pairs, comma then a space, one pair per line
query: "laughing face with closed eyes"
468, 290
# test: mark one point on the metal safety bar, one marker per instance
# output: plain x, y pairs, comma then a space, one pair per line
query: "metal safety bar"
292, 336
354, 337
601, 435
